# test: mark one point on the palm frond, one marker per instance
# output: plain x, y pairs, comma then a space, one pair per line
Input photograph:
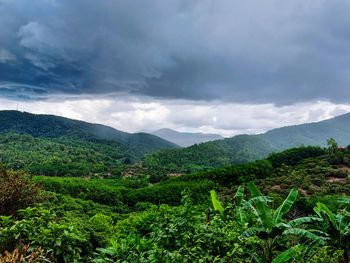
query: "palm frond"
239, 196
285, 206
248, 206
287, 255
241, 216
252, 231
304, 233
304, 220
216, 203
323, 209
263, 210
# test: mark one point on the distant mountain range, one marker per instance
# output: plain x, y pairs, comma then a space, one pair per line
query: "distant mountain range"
51, 143
185, 139
243, 148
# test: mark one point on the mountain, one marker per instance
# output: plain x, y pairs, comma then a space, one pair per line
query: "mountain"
53, 145
243, 148
219, 153
185, 139
50, 126
315, 133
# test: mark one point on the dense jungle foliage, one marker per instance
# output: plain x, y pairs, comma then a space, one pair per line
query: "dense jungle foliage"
61, 156
297, 210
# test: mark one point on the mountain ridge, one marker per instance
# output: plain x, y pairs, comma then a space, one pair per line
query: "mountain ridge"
52, 126
57, 146
245, 148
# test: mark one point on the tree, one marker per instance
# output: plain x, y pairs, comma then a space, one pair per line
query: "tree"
17, 191
332, 145
335, 156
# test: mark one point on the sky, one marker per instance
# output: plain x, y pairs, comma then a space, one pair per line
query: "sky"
226, 67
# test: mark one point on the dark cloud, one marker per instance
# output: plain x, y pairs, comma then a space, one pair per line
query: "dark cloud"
240, 51
22, 92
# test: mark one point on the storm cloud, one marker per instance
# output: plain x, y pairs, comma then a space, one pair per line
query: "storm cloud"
253, 52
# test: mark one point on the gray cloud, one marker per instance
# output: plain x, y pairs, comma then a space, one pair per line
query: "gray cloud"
239, 51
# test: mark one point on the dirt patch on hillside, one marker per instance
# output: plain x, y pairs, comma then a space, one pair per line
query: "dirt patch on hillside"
175, 174
332, 179
315, 187
276, 187
344, 168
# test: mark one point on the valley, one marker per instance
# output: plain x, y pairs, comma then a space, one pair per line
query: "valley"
71, 194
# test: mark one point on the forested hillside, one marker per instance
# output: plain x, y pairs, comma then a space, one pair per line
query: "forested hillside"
243, 148
239, 149
311, 133
63, 156
49, 126
56, 146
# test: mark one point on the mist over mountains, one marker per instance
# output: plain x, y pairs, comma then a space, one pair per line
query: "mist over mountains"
185, 139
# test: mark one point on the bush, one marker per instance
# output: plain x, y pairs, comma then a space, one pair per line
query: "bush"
17, 191
177, 234
24, 254
39, 229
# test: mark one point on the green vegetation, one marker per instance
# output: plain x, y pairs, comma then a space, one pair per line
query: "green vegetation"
204, 156
62, 156
92, 206
252, 227
56, 146
49, 126
269, 225
107, 191
295, 155
239, 149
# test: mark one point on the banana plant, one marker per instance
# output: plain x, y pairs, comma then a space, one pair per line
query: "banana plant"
239, 208
238, 205
337, 227
268, 224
